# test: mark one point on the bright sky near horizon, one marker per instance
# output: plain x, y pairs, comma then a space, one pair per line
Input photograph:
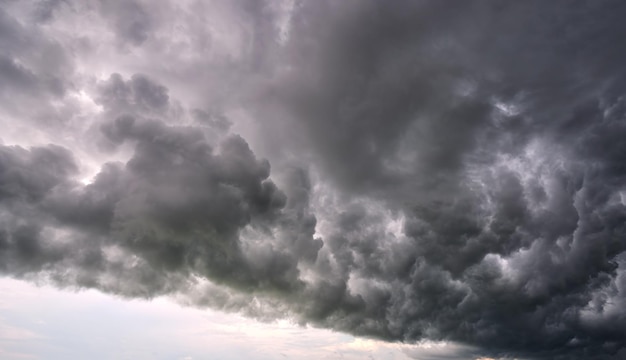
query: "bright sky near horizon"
42, 322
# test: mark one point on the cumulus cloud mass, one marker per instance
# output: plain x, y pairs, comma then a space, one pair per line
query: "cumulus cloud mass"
402, 170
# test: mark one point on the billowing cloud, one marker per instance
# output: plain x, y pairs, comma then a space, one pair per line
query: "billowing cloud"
414, 171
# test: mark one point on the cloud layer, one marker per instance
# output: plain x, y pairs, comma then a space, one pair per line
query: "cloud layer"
408, 171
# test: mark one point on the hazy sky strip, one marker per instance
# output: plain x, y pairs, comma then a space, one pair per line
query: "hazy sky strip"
45, 323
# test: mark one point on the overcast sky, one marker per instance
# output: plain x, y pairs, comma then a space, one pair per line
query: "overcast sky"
395, 179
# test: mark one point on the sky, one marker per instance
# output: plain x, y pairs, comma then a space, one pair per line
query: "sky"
269, 179
41, 322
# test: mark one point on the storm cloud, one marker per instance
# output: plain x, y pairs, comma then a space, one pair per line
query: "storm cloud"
409, 170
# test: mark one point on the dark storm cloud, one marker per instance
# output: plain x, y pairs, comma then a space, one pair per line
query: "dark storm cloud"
29, 175
410, 88
487, 124
447, 171
176, 205
177, 201
26, 177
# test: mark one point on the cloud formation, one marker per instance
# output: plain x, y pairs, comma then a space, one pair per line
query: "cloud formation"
408, 171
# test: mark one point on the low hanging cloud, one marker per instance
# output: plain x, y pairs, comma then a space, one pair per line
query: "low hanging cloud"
414, 171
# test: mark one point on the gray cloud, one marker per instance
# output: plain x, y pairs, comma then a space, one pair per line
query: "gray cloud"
31, 67
129, 19
474, 121
439, 171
